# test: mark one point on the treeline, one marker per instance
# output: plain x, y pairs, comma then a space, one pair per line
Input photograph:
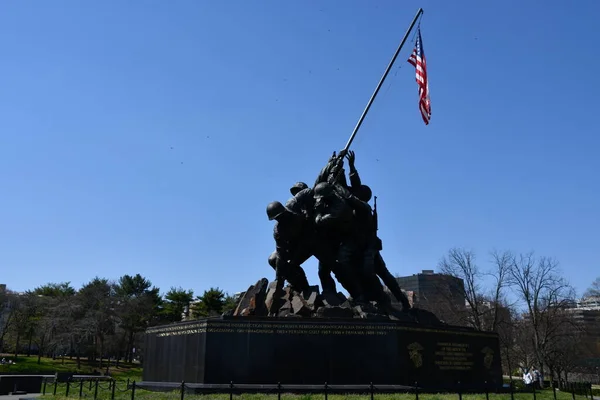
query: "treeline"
531, 305
101, 320
524, 298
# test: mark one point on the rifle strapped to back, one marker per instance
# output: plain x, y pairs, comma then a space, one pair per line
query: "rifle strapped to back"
379, 244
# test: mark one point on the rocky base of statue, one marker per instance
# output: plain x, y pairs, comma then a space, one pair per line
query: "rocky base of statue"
262, 300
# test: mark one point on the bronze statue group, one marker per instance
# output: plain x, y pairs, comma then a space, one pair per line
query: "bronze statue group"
334, 222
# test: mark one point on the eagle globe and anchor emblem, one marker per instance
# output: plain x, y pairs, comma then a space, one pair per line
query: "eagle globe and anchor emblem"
488, 357
414, 352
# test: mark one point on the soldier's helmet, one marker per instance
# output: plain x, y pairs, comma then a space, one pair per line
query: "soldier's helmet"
364, 193
323, 189
274, 210
298, 186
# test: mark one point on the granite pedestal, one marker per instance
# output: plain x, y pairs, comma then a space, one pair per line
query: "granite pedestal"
249, 350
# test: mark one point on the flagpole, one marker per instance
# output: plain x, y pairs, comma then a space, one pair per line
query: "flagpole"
387, 70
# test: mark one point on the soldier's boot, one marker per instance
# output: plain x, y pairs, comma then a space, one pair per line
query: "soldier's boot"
280, 272
277, 298
327, 282
297, 279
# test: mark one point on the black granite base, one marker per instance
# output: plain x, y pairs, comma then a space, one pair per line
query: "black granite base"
313, 351
20, 383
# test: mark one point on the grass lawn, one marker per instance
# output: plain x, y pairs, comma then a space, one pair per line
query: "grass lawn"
29, 365
48, 366
176, 395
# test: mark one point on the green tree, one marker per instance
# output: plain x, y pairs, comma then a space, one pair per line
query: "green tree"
55, 290
230, 303
175, 303
139, 307
98, 301
209, 304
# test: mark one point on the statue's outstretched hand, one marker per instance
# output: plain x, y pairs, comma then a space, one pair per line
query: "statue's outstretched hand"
351, 157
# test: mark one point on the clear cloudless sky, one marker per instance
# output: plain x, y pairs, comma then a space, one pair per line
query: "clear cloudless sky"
149, 136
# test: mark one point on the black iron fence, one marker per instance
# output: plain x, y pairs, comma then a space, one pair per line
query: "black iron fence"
99, 387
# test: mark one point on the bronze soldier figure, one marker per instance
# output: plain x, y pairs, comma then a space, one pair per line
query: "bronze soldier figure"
364, 193
360, 246
334, 220
291, 246
303, 201
335, 223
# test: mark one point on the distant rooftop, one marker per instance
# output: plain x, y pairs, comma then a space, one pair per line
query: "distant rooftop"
587, 303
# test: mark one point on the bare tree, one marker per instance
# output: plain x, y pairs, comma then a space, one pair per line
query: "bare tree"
507, 327
43, 324
461, 264
567, 347
522, 346
7, 313
501, 311
483, 306
544, 294
594, 289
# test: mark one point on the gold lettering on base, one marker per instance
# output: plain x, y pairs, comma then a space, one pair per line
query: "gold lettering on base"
451, 356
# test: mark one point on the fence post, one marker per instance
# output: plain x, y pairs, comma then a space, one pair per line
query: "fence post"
487, 395
133, 390
231, 390
182, 389
512, 391
325, 390
96, 390
90, 385
81, 388
588, 385
55, 385
372, 391
112, 390
44, 388
68, 387
278, 390
416, 390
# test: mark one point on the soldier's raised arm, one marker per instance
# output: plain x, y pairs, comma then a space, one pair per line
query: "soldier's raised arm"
355, 181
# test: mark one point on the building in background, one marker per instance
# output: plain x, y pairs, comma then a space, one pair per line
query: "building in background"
431, 289
586, 313
444, 295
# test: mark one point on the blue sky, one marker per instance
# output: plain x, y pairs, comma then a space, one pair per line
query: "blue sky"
149, 136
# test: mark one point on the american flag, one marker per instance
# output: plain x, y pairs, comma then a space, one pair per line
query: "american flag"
417, 60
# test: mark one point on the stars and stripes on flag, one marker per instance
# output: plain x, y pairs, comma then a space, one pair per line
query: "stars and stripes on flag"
417, 60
